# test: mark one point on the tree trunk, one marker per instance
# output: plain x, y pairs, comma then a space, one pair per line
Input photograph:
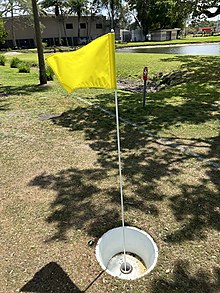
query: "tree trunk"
12, 27
78, 34
58, 30
42, 70
64, 27
112, 12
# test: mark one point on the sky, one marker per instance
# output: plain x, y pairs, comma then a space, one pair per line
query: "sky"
214, 18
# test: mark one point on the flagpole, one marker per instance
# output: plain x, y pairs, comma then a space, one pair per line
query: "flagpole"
120, 177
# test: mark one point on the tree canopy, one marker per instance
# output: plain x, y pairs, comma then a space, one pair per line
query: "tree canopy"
154, 14
149, 14
210, 8
157, 14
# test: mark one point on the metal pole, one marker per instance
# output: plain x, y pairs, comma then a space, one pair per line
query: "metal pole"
145, 93
120, 176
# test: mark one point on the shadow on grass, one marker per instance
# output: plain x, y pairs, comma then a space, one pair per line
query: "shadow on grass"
215, 148
186, 105
23, 90
78, 202
197, 208
52, 279
4, 106
82, 204
183, 281
180, 105
200, 68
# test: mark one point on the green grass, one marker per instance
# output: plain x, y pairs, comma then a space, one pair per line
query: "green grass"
189, 110
130, 65
30, 58
59, 179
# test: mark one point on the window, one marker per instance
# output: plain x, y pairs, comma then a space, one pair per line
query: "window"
69, 26
99, 25
82, 25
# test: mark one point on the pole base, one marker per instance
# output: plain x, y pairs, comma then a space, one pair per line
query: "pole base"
126, 268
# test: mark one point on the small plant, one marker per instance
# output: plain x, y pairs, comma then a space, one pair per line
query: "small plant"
2, 60
49, 73
24, 67
15, 62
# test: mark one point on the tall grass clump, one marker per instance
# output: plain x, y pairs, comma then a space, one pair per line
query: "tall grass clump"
2, 60
24, 67
49, 73
15, 61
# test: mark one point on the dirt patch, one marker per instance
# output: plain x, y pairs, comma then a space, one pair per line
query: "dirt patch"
155, 84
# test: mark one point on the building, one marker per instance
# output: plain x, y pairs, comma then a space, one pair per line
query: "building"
164, 34
55, 30
137, 35
125, 35
156, 35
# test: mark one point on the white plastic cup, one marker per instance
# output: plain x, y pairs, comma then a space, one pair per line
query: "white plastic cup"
137, 242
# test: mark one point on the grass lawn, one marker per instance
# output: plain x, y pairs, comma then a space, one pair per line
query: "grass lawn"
59, 178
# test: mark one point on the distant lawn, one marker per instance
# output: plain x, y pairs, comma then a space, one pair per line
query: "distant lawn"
189, 110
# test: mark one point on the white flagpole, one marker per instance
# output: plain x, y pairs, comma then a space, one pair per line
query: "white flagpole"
120, 177
123, 269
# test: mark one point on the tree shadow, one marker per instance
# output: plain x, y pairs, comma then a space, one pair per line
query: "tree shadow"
144, 164
183, 281
189, 104
215, 150
200, 68
23, 90
4, 104
197, 206
52, 279
77, 203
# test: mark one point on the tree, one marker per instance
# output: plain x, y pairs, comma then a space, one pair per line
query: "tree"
124, 18
160, 14
42, 70
13, 7
9, 7
113, 8
3, 33
57, 6
209, 8
77, 7
149, 13
92, 9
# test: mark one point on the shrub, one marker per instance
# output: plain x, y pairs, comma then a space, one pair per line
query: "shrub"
15, 62
49, 73
24, 67
2, 60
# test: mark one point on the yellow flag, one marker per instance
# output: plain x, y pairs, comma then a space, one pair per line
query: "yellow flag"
92, 66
